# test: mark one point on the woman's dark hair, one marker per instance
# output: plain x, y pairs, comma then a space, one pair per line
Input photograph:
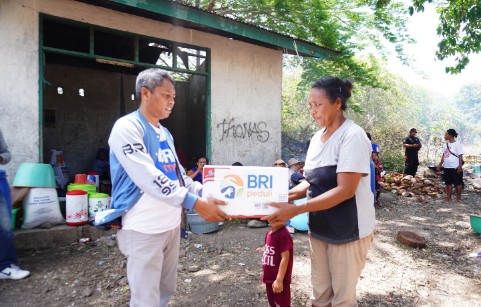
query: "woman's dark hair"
335, 87
452, 133
200, 157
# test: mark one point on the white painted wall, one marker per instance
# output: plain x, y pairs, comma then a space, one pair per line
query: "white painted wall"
245, 83
19, 108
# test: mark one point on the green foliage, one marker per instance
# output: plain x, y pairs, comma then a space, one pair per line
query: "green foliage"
348, 26
459, 27
297, 123
468, 102
389, 114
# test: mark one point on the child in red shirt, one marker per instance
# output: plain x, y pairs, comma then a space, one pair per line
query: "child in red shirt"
277, 265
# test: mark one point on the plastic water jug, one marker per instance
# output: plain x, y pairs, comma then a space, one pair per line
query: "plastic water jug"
76, 207
97, 202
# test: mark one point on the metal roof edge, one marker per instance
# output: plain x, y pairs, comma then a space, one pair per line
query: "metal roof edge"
223, 25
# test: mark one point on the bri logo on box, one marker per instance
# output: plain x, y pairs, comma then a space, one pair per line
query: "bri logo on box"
232, 186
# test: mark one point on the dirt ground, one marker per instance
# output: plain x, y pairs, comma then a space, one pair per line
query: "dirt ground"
223, 268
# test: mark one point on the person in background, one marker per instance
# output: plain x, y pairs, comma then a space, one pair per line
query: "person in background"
8, 254
149, 191
101, 165
237, 164
277, 262
412, 145
301, 164
294, 166
196, 172
378, 171
296, 178
339, 198
375, 147
452, 160
280, 163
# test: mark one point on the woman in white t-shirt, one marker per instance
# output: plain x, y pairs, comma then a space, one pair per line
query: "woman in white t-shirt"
452, 160
339, 197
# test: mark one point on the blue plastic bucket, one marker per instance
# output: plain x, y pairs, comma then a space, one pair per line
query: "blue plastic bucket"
476, 169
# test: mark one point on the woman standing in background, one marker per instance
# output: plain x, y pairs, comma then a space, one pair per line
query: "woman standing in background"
452, 160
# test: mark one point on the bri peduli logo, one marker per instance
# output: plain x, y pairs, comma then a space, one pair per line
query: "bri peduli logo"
232, 186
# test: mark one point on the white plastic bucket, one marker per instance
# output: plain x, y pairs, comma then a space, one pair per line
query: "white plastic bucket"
76, 208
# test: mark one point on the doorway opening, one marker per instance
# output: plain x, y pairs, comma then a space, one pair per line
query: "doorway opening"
88, 81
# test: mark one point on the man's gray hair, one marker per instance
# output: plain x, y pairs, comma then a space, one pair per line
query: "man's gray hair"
151, 78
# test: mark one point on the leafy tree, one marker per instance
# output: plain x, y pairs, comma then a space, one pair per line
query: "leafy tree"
389, 114
459, 27
468, 104
297, 123
386, 113
348, 26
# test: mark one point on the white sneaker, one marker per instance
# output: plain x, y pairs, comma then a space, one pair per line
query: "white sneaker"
13, 272
291, 229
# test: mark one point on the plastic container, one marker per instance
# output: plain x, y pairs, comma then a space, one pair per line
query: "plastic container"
199, 225
94, 178
300, 222
35, 175
14, 217
475, 221
89, 188
76, 208
80, 178
97, 202
476, 169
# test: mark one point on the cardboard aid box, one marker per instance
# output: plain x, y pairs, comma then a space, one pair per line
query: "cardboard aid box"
246, 190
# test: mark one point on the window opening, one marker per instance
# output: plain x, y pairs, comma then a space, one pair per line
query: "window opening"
112, 47
65, 36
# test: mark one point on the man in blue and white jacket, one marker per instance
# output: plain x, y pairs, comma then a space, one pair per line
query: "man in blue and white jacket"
149, 190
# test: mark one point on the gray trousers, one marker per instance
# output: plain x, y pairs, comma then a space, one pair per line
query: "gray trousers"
151, 265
